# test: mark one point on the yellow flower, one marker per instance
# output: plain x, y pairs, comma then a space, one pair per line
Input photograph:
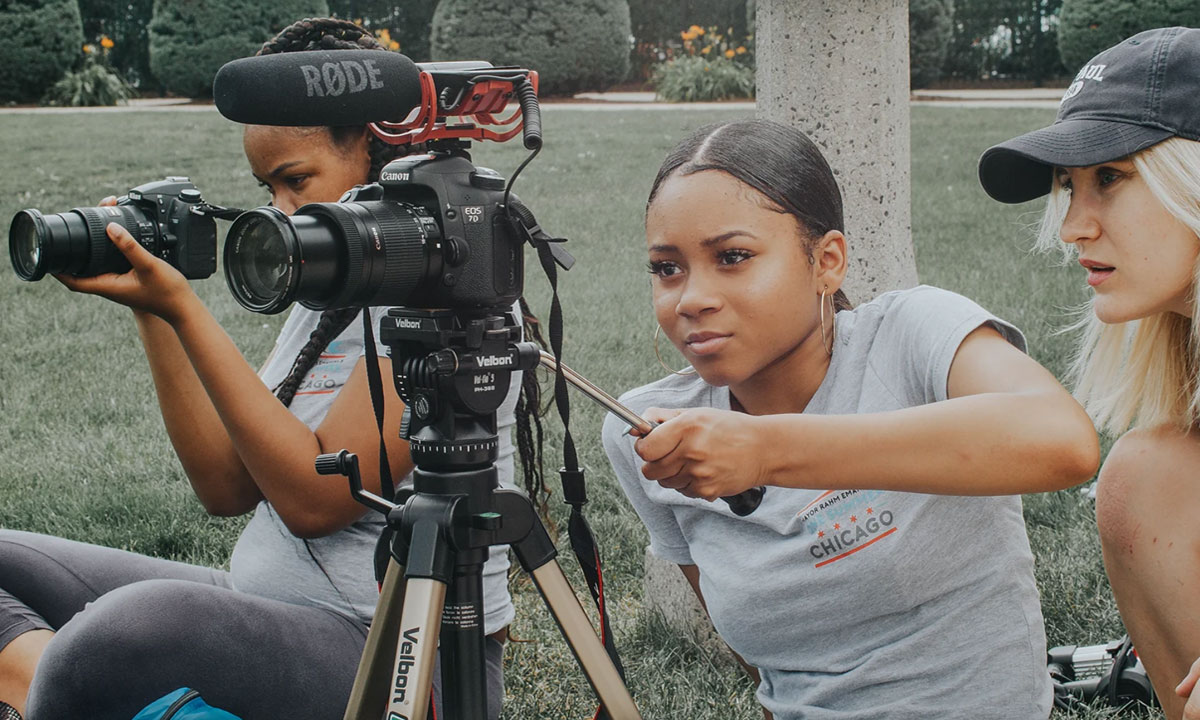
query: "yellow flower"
729, 53
741, 50
106, 42
394, 45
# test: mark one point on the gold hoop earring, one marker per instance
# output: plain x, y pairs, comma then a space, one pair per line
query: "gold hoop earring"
689, 371
827, 341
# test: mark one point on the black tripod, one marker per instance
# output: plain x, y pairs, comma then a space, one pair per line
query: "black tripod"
453, 373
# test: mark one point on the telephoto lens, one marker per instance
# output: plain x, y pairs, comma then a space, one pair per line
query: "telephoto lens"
74, 242
330, 255
162, 216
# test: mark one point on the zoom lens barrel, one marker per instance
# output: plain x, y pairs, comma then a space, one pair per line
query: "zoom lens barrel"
330, 255
74, 242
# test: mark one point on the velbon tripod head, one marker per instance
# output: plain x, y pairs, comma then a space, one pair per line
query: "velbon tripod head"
453, 372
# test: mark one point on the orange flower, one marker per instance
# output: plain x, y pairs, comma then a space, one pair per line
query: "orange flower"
741, 50
106, 42
89, 48
730, 54
696, 30
704, 50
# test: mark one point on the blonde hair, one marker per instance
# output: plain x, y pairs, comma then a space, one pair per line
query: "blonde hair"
1140, 372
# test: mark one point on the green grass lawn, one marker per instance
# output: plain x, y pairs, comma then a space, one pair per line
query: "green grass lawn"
85, 455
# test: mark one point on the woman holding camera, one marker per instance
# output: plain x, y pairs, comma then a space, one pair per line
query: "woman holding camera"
281, 633
886, 572
1121, 165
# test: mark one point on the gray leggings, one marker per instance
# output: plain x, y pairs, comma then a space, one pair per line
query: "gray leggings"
131, 628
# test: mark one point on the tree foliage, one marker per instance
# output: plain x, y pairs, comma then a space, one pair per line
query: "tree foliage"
1005, 38
574, 45
43, 40
407, 21
659, 20
930, 26
191, 39
1090, 26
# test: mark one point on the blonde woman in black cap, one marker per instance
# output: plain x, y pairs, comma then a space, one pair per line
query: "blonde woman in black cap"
1121, 164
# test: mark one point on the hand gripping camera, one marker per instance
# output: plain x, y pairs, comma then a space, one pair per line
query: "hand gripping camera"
168, 217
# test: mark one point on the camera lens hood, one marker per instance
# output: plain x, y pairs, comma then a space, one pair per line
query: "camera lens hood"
262, 260
26, 235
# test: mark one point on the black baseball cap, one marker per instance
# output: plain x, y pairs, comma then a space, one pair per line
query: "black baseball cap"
1129, 97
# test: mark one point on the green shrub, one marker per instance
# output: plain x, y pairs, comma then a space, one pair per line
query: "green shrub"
574, 45
191, 39
41, 42
407, 21
1087, 27
930, 26
95, 84
696, 79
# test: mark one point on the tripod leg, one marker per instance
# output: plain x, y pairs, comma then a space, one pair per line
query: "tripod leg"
464, 680
368, 697
580, 635
416, 649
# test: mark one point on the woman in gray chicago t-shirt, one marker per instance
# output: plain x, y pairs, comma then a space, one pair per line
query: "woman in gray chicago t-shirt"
280, 634
886, 573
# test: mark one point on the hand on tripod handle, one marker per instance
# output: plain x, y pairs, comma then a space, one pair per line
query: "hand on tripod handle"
741, 504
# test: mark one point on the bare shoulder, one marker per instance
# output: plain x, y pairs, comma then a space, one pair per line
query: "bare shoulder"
1150, 472
1153, 451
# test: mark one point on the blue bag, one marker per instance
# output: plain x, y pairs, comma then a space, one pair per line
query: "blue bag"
183, 704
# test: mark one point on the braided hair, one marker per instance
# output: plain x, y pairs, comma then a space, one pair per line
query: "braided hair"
329, 34
336, 34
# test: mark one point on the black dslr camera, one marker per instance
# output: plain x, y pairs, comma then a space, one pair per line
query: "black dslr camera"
167, 217
1112, 672
435, 231
430, 233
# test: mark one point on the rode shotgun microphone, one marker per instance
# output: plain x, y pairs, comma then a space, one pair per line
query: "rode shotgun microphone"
320, 87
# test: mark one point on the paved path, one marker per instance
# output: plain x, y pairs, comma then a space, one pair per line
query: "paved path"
622, 101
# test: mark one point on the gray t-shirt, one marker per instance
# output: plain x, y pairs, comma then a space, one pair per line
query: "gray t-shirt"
336, 572
860, 604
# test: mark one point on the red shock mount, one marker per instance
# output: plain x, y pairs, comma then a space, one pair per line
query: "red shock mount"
477, 105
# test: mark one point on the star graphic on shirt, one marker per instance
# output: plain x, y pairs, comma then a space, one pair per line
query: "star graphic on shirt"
853, 518
820, 533
837, 526
870, 511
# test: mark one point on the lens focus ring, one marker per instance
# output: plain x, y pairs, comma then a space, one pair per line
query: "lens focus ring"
406, 250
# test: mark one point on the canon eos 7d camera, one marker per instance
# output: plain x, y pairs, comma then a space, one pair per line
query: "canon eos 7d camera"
168, 217
431, 233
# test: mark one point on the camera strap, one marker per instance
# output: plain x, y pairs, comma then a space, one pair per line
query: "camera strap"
375, 382
216, 211
583, 543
